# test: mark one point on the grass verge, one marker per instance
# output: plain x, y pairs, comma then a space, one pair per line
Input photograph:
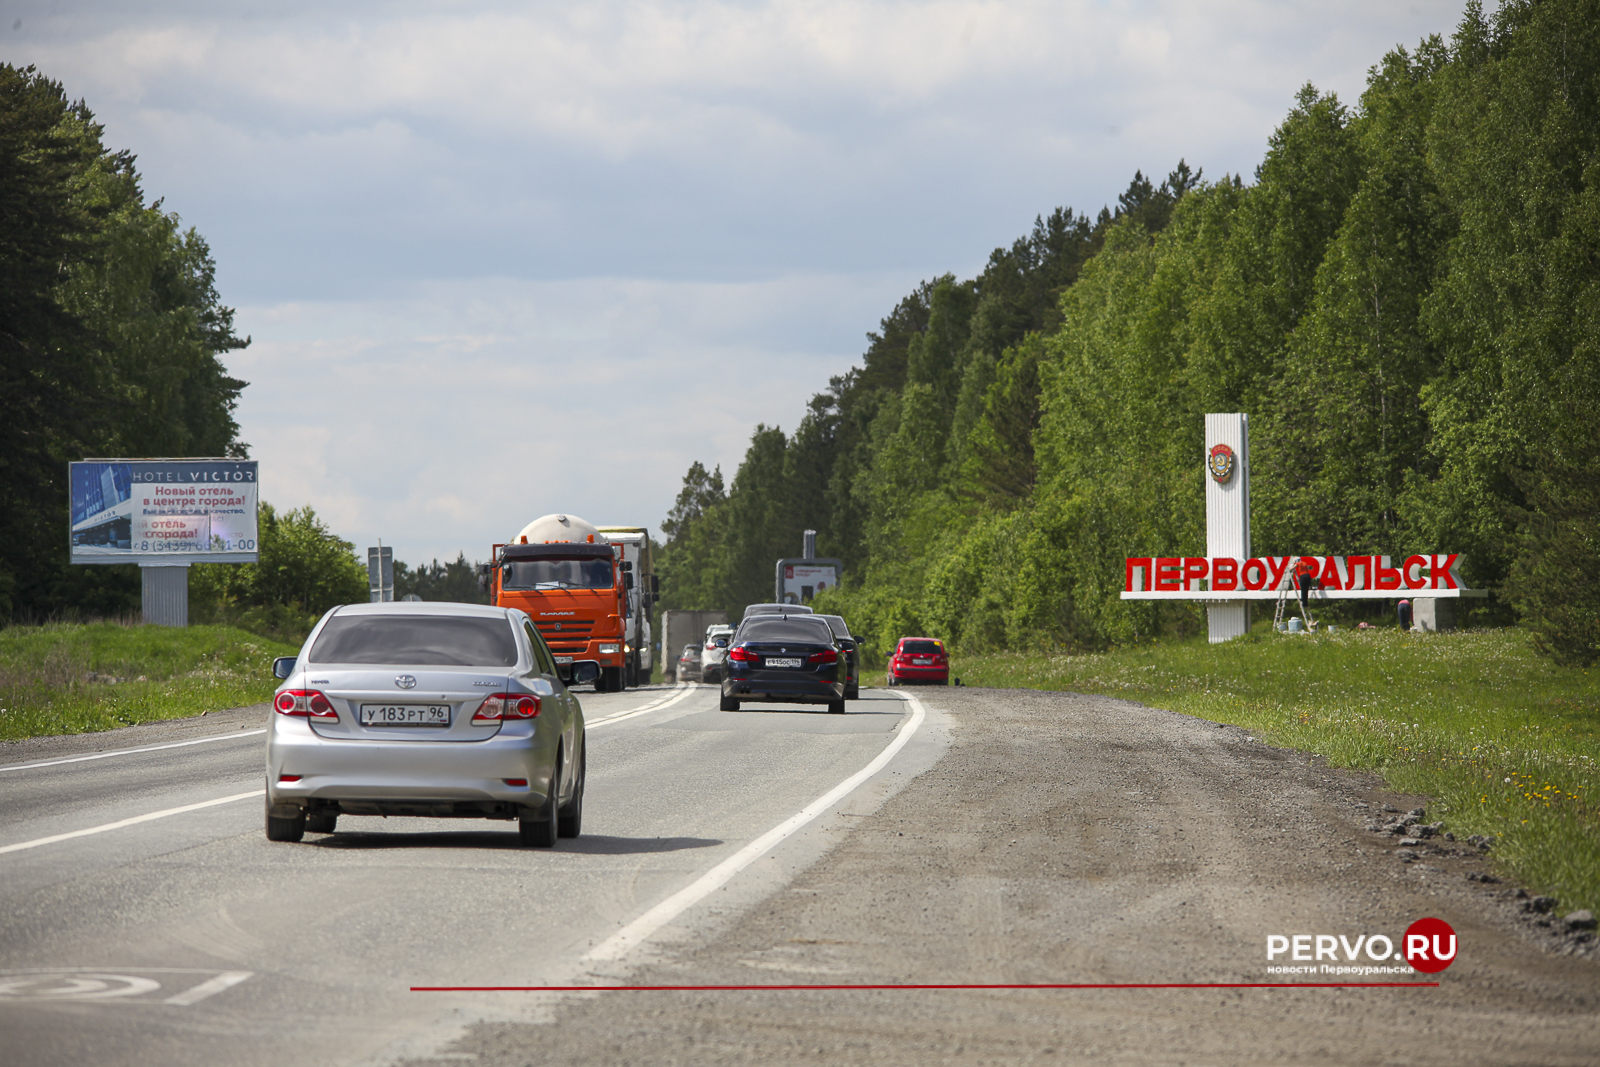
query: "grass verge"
78, 678
1504, 742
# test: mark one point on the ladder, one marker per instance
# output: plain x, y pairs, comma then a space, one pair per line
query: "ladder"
1288, 592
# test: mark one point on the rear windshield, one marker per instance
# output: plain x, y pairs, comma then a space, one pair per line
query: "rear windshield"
921, 648
525, 574
779, 628
836, 624
416, 640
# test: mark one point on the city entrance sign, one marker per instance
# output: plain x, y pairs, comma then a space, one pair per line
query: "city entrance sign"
1228, 577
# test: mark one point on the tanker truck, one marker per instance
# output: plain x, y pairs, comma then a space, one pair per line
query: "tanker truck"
632, 545
566, 575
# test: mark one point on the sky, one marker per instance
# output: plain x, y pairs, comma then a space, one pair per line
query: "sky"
498, 260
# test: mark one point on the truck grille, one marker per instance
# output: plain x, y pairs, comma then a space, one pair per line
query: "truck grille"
566, 627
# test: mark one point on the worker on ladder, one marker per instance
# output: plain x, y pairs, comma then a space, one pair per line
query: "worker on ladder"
1305, 579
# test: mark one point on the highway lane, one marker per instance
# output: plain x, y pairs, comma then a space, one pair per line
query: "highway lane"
191, 939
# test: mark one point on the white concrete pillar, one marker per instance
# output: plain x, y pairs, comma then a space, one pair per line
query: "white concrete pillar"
1227, 453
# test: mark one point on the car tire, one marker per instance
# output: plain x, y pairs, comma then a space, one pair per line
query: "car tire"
892, 681
853, 693
570, 819
322, 822
836, 707
729, 704
539, 828
280, 829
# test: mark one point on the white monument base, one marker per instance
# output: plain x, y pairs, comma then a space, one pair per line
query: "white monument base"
1432, 614
1228, 620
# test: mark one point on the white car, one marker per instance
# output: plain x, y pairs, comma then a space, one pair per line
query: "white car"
714, 652
426, 709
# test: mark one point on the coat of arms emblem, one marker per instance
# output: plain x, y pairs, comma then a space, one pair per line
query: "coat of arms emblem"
1220, 462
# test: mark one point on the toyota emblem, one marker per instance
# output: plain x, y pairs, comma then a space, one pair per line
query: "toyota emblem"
406, 681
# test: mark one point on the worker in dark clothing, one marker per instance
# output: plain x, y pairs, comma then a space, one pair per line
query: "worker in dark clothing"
1305, 579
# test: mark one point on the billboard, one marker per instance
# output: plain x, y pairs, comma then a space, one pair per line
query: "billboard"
801, 579
160, 512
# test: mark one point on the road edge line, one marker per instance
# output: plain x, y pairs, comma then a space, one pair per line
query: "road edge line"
128, 751
640, 929
135, 820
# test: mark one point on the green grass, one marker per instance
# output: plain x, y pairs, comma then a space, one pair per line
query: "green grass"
78, 678
1503, 741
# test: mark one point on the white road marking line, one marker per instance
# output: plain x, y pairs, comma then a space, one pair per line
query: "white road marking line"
225, 980
128, 751
684, 690
640, 929
119, 824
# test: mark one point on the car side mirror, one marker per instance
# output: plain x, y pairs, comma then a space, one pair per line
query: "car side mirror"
282, 667
584, 673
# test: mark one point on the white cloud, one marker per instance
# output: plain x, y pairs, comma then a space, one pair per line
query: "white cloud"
446, 419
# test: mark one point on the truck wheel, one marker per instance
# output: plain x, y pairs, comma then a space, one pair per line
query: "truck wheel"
611, 678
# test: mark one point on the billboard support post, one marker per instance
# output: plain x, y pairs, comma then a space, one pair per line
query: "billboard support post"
165, 594
380, 573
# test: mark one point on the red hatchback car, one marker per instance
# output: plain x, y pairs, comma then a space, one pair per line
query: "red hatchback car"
919, 659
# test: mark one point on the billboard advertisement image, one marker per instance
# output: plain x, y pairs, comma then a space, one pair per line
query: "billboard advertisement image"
164, 511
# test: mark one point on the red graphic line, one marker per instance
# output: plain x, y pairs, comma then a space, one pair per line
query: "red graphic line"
929, 985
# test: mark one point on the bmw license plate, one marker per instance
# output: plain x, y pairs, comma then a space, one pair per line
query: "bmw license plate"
782, 661
405, 715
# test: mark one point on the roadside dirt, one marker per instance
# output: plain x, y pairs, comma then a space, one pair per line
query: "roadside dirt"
1087, 840
158, 732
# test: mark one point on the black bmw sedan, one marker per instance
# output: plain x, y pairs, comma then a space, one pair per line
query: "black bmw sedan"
790, 659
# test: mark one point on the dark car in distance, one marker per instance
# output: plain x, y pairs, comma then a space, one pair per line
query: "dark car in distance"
849, 646
785, 659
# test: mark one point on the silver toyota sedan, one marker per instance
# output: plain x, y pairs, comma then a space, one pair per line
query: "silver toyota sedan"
425, 709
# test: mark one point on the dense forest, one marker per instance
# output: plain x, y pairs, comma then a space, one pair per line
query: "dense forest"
110, 336
1404, 296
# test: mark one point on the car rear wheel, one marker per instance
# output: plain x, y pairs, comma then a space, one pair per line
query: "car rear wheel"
729, 704
836, 707
571, 818
292, 828
322, 822
538, 828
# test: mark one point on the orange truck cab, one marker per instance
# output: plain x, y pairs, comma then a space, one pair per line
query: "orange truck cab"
565, 574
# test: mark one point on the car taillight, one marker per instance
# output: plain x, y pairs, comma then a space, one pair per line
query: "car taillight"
507, 706
306, 704
827, 655
740, 654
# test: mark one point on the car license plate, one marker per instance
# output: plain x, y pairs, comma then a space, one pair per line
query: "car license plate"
563, 659
921, 661
405, 715
782, 661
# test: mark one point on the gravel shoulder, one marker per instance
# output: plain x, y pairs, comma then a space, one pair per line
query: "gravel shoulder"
157, 732
1079, 839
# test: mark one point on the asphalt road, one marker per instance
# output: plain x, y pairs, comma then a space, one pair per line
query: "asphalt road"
173, 932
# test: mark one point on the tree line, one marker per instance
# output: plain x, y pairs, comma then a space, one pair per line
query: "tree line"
112, 335
1404, 296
